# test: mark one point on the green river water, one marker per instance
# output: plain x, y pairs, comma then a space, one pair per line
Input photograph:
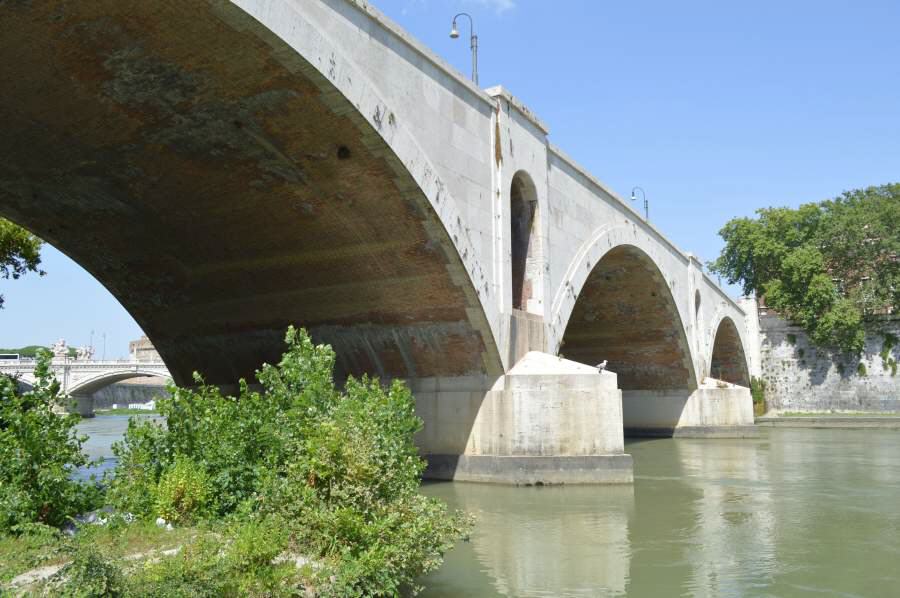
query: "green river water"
797, 512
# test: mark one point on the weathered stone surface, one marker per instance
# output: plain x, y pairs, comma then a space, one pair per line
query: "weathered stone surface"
802, 377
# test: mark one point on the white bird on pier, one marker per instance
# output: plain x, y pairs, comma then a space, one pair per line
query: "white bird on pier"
602, 365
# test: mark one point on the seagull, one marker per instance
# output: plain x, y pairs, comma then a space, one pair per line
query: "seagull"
602, 365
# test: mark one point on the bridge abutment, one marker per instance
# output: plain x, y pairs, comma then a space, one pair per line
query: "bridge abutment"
547, 421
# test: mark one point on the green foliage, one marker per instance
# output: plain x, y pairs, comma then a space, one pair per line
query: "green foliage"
38, 451
792, 339
830, 266
90, 574
29, 545
758, 392
302, 467
197, 570
29, 351
861, 369
888, 344
183, 493
758, 389
20, 252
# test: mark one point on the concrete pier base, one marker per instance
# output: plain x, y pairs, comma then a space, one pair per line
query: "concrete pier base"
532, 471
83, 405
694, 432
547, 421
715, 410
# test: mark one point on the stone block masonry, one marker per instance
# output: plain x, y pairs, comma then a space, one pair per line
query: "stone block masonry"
802, 377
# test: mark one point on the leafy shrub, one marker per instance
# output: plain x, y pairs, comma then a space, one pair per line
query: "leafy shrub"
302, 467
38, 451
90, 574
861, 369
183, 492
888, 344
197, 570
758, 392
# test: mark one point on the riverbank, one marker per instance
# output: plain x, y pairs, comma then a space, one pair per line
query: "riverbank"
124, 411
847, 421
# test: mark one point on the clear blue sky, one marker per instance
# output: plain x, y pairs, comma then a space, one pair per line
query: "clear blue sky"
715, 108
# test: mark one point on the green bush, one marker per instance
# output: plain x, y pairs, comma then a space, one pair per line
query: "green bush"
39, 450
197, 570
303, 468
90, 574
183, 492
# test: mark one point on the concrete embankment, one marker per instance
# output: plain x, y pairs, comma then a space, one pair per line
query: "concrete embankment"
890, 422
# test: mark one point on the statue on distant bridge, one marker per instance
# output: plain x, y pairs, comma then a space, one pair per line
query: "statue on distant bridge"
59, 348
84, 353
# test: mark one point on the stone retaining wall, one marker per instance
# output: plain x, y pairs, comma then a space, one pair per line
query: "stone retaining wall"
137, 390
801, 377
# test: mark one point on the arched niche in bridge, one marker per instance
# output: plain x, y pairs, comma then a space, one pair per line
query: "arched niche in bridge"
625, 314
222, 188
728, 361
525, 241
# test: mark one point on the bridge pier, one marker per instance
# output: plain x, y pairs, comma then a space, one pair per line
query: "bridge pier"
715, 410
83, 405
547, 421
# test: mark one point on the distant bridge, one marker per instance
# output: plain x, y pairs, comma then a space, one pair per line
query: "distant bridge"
81, 379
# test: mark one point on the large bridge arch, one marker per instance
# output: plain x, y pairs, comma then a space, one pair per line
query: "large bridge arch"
239, 173
625, 313
727, 357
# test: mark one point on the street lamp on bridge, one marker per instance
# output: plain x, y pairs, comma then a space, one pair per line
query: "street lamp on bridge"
646, 207
473, 40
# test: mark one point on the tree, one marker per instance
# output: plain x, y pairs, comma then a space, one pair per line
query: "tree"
19, 252
39, 449
831, 266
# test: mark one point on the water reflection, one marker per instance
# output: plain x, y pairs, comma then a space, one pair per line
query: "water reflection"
794, 513
550, 541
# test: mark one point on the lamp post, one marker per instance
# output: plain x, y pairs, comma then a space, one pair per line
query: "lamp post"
473, 39
646, 206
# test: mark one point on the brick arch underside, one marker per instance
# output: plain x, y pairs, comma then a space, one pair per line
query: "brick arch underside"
728, 362
221, 197
625, 314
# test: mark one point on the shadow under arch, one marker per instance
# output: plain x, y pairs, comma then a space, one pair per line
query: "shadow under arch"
525, 240
728, 361
221, 187
625, 314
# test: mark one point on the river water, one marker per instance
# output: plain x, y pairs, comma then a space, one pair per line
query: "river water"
796, 512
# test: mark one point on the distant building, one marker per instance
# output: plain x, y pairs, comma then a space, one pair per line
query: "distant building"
143, 350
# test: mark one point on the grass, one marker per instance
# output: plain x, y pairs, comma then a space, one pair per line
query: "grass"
44, 547
27, 552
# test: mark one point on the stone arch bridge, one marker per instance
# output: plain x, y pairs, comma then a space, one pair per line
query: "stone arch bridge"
226, 168
79, 380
